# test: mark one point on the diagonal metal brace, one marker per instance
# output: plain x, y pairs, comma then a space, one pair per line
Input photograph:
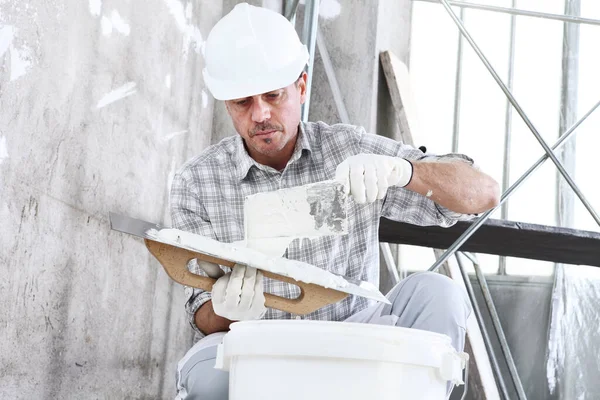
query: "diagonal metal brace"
519, 110
477, 224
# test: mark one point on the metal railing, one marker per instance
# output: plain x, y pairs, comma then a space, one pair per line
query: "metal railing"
549, 151
516, 11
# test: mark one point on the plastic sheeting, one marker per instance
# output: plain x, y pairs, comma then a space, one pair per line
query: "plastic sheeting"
574, 341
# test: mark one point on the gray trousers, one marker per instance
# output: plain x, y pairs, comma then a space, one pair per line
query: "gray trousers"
426, 300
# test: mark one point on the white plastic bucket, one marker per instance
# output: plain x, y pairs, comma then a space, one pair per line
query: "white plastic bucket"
298, 359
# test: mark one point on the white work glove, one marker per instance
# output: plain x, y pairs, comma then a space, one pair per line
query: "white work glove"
239, 295
368, 176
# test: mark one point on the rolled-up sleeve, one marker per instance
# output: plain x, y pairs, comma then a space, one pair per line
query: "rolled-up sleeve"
188, 214
404, 205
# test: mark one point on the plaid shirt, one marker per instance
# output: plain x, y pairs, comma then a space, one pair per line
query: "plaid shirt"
207, 198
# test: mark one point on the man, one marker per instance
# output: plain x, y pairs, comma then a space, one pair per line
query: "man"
255, 63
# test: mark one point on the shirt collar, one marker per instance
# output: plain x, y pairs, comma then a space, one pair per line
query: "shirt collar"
244, 162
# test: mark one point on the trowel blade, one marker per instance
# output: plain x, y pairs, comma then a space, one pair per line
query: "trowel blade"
316, 209
132, 226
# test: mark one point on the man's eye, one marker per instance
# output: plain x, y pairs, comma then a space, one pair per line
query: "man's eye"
273, 95
241, 102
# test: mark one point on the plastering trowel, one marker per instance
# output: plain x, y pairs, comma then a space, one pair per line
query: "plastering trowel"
174, 249
316, 209
273, 219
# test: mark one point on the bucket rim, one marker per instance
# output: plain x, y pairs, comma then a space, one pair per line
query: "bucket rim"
380, 331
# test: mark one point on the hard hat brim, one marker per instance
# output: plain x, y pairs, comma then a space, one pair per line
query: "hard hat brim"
234, 89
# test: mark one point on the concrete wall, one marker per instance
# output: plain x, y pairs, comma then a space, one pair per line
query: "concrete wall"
87, 312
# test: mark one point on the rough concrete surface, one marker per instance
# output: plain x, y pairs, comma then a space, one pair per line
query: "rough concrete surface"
101, 100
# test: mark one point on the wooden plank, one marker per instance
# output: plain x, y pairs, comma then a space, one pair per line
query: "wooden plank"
396, 76
504, 238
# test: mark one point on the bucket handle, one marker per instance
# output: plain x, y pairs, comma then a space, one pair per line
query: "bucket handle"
453, 364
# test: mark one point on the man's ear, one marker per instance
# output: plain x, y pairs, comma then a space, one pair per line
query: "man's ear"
301, 82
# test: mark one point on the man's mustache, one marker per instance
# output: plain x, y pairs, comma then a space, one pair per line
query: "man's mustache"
265, 127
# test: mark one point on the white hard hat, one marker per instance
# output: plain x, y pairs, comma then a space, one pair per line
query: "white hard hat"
250, 51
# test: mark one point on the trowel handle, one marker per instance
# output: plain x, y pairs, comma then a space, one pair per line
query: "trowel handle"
175, 260
312, 297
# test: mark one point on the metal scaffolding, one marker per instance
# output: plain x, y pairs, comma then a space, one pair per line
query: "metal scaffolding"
570, 45
549, 151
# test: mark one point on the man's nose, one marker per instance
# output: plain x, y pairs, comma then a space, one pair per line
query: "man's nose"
261, 110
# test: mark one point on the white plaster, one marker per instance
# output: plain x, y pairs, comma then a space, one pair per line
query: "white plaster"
124, 91
330, 9
168, 81
204, 99
6, 37
171, 135
21, 58
429, 193
176, 10
287, 212
3, 149
298, 270
188, 10
192, 36
106, 26
191, 33
95, 7
119, 23
115, 22
20, 61
275, 247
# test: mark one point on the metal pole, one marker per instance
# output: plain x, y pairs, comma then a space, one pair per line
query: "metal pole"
508, 128
457, 88
289, 10
568, 100
476, 224
389, 262
518, 108
565, 207
514, 11
484, 332
309, 38
485, 290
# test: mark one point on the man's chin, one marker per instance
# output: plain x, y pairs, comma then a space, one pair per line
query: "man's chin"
268, 145
268, 151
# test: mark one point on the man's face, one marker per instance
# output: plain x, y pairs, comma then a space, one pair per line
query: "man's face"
269, 121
